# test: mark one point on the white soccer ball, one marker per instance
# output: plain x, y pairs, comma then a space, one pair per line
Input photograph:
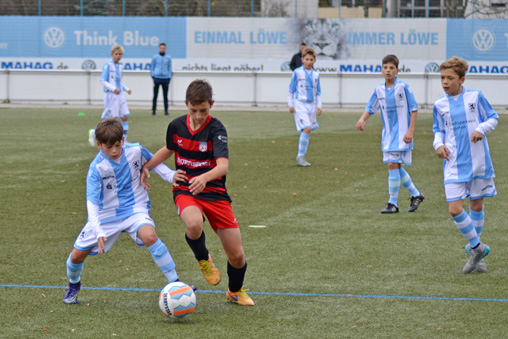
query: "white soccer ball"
177, 300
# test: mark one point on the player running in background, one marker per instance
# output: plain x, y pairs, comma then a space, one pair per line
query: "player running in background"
462, 120
115, 104
200, 145
116, 203
304, 90
399, 110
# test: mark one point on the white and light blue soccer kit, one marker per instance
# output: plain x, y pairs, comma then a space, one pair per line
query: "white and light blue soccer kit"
115, 188
118, 202
455, 120
395, 104
115, 105
305, 95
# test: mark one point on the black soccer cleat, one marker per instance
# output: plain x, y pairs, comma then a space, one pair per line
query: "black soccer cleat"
415, 202
390, 208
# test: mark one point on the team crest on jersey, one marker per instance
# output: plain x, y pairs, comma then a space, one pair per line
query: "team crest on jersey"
136, 165
401, 96
203, 146
472, 107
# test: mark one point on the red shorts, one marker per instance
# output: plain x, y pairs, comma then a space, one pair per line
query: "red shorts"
219, 213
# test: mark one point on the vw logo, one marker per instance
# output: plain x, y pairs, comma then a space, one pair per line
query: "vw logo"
54, 37
483, 40
88, 64
432, 68
285, 67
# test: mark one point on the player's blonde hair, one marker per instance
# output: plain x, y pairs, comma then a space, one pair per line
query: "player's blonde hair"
458, 65
117, 47
309, 51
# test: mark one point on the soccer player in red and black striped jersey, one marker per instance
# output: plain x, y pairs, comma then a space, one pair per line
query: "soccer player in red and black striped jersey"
200, 145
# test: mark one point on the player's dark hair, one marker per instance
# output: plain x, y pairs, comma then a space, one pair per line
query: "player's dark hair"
458, 65
162, 44
198, 91
303, 44
392, 59
109, 131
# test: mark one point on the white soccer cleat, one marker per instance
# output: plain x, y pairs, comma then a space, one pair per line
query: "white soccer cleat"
91, 137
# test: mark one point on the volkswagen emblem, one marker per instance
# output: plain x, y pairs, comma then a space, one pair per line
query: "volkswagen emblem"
483, 40
88, 64
432, 68
54, 37
285, 67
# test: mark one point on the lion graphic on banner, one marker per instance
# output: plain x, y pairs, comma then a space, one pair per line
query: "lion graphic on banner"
328, 37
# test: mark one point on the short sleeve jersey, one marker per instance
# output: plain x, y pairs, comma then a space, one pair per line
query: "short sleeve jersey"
115, 185
196, 152
457, 118
396, 104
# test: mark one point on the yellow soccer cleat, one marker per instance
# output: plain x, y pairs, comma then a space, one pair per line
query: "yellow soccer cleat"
240, 297
211, 273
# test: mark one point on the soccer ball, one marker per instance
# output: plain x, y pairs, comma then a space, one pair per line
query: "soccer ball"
177, 300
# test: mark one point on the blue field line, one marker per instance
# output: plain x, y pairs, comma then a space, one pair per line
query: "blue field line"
295, 294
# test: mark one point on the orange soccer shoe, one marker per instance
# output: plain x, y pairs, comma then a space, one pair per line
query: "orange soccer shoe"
240, 297
211, 273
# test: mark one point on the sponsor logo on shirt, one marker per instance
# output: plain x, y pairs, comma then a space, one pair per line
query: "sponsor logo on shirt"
186, 162
223, 138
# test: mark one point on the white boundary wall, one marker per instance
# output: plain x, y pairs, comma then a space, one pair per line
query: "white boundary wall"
239, 88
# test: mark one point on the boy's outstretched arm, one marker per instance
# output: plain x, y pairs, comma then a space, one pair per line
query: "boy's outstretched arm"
361, 123
162, 155
411, 130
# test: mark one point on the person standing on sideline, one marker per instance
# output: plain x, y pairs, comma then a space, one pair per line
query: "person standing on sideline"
296, 61
161, 75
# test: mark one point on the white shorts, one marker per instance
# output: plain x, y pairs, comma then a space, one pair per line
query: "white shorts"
404, 157
476, 189
305, 115
86, 239
115, 106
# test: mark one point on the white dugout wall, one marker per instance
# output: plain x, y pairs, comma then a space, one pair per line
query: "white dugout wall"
239, 88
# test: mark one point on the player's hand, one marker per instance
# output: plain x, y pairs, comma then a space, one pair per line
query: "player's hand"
145, 174
291, 109
129, 91
408, 137
319, 111
179, 176
116, 91
477, 136
443, 152
360, 125
100, 241
197, 185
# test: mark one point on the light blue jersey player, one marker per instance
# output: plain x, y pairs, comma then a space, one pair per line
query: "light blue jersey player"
399, 110
115, 104
117, 203
304, 101
462, 120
